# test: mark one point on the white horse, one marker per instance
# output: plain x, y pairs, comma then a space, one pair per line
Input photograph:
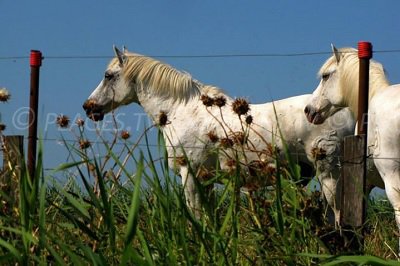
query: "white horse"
339, 88
197, 119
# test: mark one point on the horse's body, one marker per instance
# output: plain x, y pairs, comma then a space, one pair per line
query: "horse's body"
177, 102
339, 88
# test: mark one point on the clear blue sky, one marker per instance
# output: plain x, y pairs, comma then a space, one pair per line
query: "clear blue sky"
62, 29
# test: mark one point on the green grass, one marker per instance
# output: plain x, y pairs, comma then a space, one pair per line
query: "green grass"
95, 218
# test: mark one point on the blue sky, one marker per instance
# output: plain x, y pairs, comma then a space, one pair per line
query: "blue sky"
66, 31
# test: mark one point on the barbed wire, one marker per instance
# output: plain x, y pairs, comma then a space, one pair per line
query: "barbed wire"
294, 54
146, 145
152, 145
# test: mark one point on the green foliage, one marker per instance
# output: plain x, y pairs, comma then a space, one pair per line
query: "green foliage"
107, 214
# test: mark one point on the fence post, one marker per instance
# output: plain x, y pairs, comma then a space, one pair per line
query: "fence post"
13, 158
35, 62
354, 174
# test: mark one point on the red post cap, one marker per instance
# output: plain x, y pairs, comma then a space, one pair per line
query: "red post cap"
364, 50
36, 58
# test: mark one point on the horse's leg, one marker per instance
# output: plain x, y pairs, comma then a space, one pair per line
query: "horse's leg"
390, 173
329, 182
384, 137
192, 195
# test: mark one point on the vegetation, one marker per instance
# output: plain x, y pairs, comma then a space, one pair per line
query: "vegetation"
107, 213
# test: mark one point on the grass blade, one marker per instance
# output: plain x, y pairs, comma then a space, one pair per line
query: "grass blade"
135, 203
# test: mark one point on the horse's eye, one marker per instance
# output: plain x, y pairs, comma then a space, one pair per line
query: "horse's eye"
326, 76
108, 76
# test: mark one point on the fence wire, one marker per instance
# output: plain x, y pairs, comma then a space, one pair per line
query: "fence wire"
291, 54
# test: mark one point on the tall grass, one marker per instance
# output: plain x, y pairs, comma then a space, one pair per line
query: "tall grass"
98, 218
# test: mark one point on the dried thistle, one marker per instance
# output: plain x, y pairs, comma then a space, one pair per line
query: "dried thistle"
263, 169
269, 152
226, 143
84, 144
180, 160
80, 122
249, 119
239, 138
212, 136
162, 119
220, 101
207, 100
4, 95
318, 153
240, 106
2, 127
231, 163
204, 174
125, 134
62, 121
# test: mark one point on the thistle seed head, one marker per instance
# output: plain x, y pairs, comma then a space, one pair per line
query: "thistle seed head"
162, 119
181, 160
84, 144
125, 134
220, 101
4, 95
226, 143
240, 106
318, 153
239, 138
249, 119
204, 174
231, 163
62, 121
207, 100
80, 122
212, 136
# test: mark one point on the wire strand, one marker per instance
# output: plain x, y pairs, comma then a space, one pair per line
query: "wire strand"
249, 55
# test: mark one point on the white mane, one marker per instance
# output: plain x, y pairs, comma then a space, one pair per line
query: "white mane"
161, 78
348, 71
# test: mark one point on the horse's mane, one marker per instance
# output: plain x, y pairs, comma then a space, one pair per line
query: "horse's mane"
213, 91
349, 75
161, 78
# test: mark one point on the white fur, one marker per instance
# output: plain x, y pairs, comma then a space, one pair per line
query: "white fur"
158, 88
341, 89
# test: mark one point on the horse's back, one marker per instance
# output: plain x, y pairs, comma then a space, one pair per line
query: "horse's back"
384, 122
387, 98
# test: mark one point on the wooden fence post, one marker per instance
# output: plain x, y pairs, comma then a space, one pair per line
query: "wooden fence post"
354, 174
353, 204
13, 158
35, 62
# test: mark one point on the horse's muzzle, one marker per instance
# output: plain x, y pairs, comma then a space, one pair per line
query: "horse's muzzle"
313, 116
93, 110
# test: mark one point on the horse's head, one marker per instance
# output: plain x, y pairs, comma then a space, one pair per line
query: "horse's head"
328, 96
113, 91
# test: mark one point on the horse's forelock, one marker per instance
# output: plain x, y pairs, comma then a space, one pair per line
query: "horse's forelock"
327, 67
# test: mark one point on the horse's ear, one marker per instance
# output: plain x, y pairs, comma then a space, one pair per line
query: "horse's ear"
120, 55
124, 49
336, 53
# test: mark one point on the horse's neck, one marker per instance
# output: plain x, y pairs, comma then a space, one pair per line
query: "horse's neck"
154, 104
377, 83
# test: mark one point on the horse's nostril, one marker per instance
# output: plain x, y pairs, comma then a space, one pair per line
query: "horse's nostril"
306, 110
